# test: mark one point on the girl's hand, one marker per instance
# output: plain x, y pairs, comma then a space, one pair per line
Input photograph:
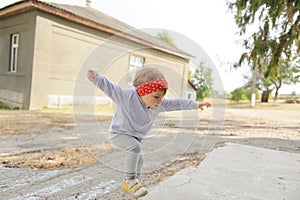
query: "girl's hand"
92, 74
202, 104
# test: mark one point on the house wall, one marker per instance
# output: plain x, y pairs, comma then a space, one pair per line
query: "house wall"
15, 87
65, 50
54, 55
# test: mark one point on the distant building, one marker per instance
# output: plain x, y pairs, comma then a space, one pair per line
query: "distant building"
44, 46
191, 91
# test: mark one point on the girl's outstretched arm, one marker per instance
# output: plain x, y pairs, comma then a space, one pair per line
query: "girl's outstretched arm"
112, 90
92, 74
202, 104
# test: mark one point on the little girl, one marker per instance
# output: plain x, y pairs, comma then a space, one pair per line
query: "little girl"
136, 111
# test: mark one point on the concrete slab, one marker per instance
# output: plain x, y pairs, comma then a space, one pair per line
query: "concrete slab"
236, 172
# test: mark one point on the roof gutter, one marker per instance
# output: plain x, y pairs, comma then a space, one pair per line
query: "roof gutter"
17, 8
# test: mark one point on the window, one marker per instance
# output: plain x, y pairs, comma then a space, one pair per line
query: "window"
14, 45
135, 63
189, 96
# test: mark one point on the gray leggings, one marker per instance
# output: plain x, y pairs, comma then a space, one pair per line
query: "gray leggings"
134, 158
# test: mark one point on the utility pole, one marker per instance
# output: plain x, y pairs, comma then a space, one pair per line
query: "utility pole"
253, 96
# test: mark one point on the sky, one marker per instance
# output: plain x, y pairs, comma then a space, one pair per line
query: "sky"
208, 24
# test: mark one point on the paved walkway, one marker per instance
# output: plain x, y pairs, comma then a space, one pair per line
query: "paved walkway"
236, 172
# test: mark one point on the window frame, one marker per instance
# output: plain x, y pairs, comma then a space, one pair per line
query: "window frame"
14, 50
136, 63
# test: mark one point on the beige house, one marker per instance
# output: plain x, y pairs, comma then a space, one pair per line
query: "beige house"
46, 49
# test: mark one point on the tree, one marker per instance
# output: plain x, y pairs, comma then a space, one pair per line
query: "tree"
167, 38
239, 94
288, 73
202, 80
261, 83
278, 21
275, 34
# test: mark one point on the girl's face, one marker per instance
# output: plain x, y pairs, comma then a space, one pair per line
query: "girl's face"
154, 99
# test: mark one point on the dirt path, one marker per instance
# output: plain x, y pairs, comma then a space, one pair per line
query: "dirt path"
275, 128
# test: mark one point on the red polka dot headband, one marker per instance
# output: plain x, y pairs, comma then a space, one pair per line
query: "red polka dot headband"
152, 86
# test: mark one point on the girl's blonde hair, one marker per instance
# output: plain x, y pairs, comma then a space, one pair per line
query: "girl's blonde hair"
145, 75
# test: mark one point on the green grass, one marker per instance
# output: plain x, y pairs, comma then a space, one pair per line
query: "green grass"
3, 107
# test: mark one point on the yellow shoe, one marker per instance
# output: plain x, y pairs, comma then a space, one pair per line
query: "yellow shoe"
135, 188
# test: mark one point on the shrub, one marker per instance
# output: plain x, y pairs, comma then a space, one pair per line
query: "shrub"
239, 94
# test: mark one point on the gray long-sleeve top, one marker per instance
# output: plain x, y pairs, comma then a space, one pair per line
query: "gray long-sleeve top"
132, 116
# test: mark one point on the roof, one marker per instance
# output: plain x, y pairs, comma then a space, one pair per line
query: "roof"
95, 19
192, 85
